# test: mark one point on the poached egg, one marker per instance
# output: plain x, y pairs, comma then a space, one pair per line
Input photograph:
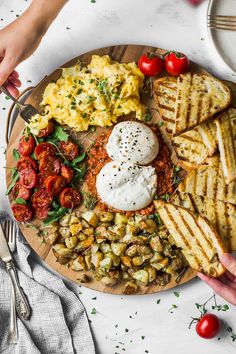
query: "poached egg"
132, 142
126, 186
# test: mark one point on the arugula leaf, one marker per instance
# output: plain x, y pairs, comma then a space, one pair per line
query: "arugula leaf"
55, 215
20, 201
55, 205
16, 155
60, 134
80, 173
15, 177
79, 158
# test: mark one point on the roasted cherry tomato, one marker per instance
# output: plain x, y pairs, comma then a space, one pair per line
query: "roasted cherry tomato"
49, 165
41, 213
43, 148
26, 162
22, 213
54, 184
28, 178
69, 198
67, 173
69, 149
150, 65
26, 145
19, 191
41, 199
208, 326
176, 63
47, 131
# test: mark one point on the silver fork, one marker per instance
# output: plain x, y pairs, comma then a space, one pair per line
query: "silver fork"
27, 111
220, 22
10, 229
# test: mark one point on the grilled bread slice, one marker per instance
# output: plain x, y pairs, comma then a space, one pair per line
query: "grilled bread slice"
190, 147
221, 215
209, 181
226, 135
200, 243
199, 97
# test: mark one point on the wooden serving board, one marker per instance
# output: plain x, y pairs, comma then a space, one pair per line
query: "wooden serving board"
125, 53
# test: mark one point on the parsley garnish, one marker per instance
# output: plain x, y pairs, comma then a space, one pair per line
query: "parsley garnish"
94, 311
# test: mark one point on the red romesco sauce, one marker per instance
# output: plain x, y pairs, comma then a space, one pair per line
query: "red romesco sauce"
98, 157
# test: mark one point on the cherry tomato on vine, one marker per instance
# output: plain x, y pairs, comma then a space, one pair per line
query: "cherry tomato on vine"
176, 63
150, 65
208, 326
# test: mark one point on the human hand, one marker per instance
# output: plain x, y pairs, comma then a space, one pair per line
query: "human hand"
225, 285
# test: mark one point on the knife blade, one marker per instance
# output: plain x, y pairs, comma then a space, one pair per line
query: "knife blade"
5, 254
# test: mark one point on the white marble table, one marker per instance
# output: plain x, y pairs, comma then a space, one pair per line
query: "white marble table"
135, 324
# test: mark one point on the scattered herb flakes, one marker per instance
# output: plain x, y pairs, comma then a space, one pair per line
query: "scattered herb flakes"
16, 155
176, 293
173, 306
158, 301
94, 298
142, 337
94, 311
7, 98
146, 351
29, 81
68, 28
93, 1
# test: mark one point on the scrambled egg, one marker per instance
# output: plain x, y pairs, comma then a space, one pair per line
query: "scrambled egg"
94, 95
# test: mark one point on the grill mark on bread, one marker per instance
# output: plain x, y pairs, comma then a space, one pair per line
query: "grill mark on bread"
166, 108
184, 240
190, 230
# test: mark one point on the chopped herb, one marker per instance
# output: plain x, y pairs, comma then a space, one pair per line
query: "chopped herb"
16, 155
79, 91
93, 129
142, 337
126, 330
84, 115
7, 98
161, 124
91, 99
29, 81
165, 197
90, 201
177, 168
102, 87
20, 201
176, 293
94, 298
172, 308
94, 311
158, 301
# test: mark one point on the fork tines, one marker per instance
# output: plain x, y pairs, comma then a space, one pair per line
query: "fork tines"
222, 22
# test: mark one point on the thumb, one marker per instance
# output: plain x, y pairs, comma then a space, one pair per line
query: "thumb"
6, 67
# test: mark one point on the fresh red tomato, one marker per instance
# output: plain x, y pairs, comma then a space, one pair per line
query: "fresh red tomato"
26, 145
19, 191
41, 213
208, 326
69, 198
54, 184
28, 178
41, 199
176, 63
26, 162
49, 165
47, 131
69, 149
67, 173
22, 213
150, 65
43, 148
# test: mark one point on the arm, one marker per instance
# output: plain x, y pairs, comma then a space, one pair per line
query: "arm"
225, 285
21, 38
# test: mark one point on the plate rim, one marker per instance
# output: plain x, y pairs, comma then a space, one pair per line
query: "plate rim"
210, 6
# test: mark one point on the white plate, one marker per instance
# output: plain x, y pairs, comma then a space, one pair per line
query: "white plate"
224, 41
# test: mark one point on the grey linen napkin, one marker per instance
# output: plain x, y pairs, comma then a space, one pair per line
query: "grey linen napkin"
58, 323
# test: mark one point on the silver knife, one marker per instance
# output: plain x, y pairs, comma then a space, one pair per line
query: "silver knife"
22, 306
27, 111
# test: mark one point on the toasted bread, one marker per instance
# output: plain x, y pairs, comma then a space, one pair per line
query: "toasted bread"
221, 215
199, 97
208, 181
207, 131
190, 147
200, 243
226, 135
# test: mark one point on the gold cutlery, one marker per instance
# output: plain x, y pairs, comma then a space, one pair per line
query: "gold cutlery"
221, 22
